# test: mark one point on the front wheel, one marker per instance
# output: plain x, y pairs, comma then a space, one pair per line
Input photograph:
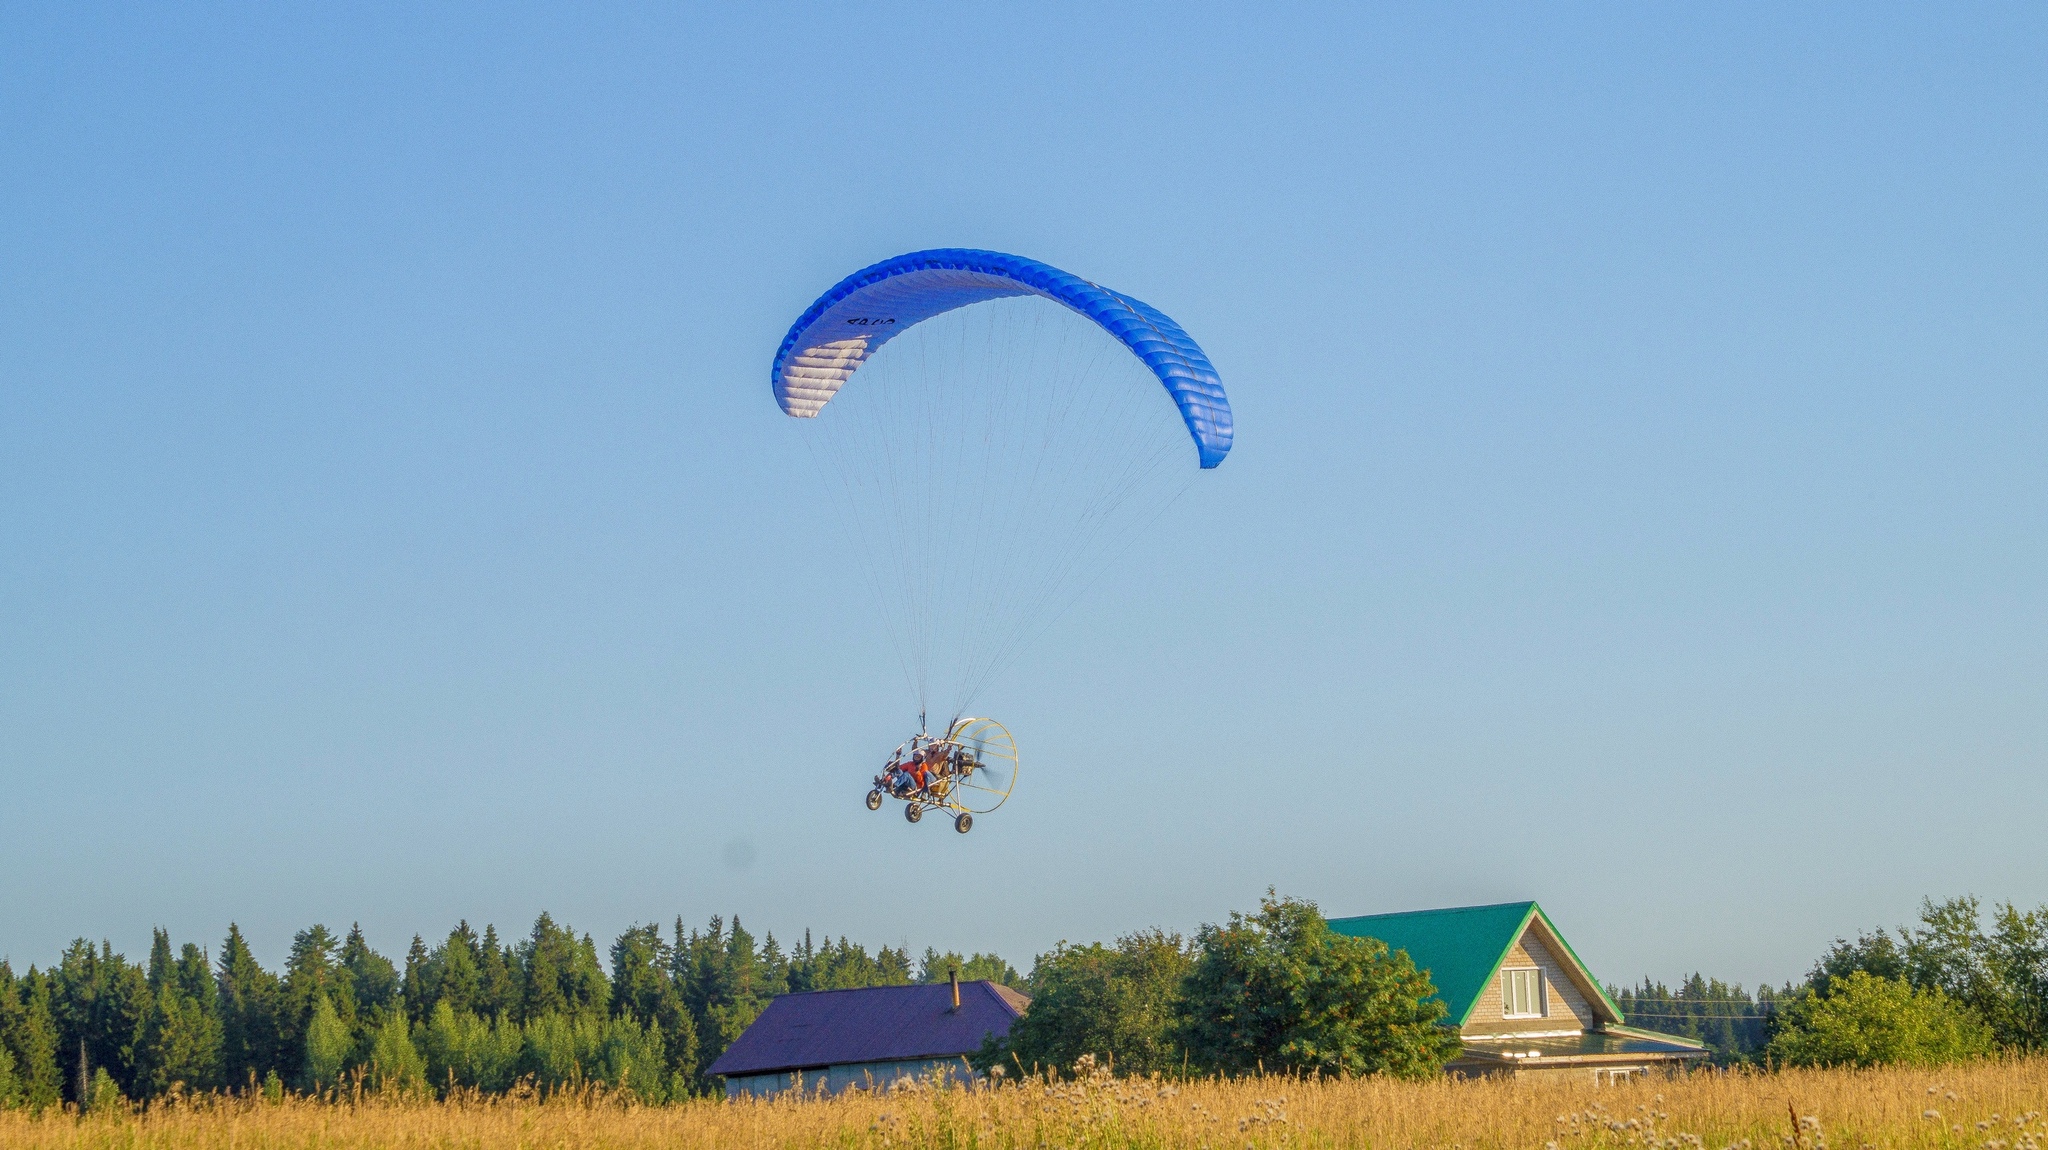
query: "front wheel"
963, 823
912, 812
875, 799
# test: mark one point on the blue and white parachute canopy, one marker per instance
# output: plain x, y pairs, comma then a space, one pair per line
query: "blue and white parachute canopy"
860, 314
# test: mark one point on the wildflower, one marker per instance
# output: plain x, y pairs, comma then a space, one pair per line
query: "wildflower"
1933, 1114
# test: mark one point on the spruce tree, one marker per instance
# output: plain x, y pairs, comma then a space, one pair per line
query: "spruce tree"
10, 1083
372, 977
161, 965
560, 973
178, 1042
644, 989
497, 977
34, 1042
98, 998
11, 1009
311, 976
250, 1003
194, 977
417, 985
458, 970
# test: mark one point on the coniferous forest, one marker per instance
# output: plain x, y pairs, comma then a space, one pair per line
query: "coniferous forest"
471, 1010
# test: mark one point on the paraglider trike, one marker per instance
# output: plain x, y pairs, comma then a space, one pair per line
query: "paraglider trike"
969, 771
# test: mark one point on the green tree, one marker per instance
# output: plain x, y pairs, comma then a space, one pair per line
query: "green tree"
457, 969
2002, 974
313, 975
194, 979
98, 999
250, 1000
394, 1063
560, 974
372, 979
629, 1057
497, 977
469, 1051
1278, 990
1865, 1020
2017, 958
1874, 952
1116, 1003
644, 989
178, 1042
30, 1035
416, 985
104, 1095
11, 1093
327, 1043
936, 967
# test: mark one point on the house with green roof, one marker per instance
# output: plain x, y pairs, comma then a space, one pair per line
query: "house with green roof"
1522, 1002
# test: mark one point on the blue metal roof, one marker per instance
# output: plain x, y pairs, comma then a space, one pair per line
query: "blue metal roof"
874, 1024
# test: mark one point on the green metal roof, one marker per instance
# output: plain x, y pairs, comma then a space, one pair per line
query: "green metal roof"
1461, 947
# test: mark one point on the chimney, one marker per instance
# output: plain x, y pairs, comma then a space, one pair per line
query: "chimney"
954, 972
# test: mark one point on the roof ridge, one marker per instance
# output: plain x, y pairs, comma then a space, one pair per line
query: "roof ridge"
1441, 910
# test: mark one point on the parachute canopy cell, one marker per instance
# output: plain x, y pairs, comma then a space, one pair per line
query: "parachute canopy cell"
863, 311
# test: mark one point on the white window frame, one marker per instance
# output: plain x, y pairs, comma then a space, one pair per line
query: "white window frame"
1539, 993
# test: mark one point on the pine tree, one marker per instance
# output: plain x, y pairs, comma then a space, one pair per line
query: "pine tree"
250, 1001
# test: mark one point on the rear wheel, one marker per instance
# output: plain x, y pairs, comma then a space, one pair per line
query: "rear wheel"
912, 811
875, 799
963, 822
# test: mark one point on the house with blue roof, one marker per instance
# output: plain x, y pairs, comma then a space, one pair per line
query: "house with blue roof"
1521, 1000
826, 1041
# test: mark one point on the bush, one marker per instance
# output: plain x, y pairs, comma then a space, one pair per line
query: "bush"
1866, 1020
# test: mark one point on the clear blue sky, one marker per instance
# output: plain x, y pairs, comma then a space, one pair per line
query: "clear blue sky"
1639, 504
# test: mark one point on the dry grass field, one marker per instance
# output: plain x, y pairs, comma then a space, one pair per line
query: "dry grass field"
1989, 1106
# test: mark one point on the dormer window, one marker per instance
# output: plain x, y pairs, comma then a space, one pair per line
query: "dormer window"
1521, 993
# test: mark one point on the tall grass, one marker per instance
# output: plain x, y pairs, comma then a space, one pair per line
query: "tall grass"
1994, 1105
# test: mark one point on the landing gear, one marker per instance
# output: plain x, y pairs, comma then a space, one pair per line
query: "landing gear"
963, 822
875, 799
912, 811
